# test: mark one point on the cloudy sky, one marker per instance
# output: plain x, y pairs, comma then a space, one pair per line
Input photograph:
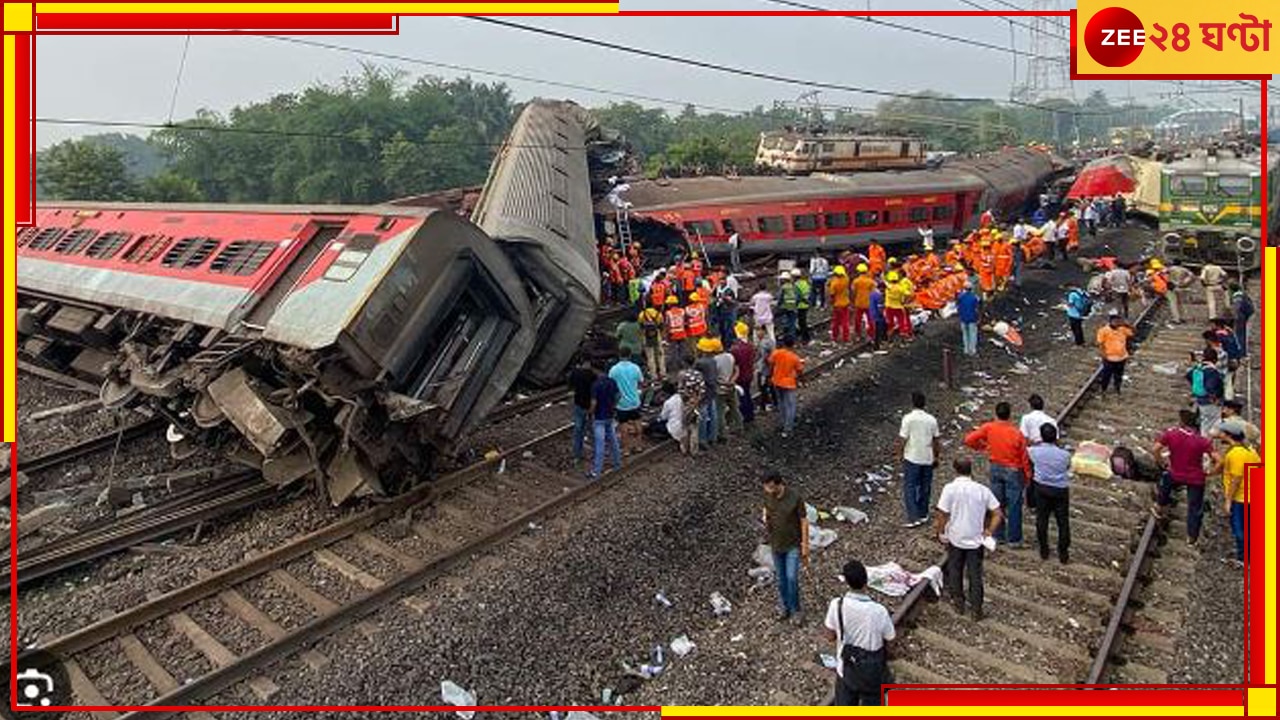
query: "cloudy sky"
132, 78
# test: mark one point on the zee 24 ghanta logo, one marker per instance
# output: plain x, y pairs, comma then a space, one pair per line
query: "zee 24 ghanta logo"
1115, 37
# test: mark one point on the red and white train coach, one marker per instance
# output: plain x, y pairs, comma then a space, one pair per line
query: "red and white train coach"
360, 335
825, 211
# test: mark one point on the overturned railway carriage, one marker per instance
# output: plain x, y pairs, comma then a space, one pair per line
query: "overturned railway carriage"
537, 204
774, 214
349, 344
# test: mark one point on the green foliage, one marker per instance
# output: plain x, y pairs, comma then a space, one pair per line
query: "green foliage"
83, 170
169, 187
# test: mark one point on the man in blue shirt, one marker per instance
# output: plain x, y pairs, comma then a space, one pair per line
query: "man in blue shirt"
1052, 470
604, 402
967, 308
879, 323
627, 375
1078, 308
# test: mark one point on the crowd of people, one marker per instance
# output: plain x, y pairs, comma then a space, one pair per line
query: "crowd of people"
706, 350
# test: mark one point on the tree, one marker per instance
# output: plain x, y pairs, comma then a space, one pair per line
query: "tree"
84, 170
169, 187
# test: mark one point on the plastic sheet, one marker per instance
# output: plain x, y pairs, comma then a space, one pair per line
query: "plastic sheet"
1092, 459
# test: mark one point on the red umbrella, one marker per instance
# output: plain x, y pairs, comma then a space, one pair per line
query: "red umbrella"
1106, 176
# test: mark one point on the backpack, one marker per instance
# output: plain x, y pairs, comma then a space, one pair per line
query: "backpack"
1197, 381
1083, 303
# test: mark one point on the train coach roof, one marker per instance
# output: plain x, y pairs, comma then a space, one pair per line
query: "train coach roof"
662, 194
397, 210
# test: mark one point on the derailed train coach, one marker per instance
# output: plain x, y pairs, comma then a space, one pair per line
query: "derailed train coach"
832, 211
348, 346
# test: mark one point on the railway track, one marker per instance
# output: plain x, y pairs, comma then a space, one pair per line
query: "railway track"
364, 562
1106, 617
97, 443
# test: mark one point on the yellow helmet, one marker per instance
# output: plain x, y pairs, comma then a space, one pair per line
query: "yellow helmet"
1156, 264
707, 345
893, 261
862, 267
695, 297
673, 300
892, 276
741, 330
839, 270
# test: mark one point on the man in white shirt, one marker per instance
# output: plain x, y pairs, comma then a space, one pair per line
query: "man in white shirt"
918, 446
865, 625
1213, 277
1118, 281
819, 271
762, 311
735, 257
672, 417
968, 513
926, 237
1032, 422
1020, 230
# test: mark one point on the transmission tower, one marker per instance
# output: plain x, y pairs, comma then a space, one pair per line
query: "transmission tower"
1049, 67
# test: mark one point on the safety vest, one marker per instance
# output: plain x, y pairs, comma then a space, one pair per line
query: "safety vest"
675, 323
803, 287
658, 293
789, 297
633, 290
696, 320
1159, 283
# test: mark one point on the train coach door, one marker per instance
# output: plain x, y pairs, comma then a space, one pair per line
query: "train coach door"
961, 212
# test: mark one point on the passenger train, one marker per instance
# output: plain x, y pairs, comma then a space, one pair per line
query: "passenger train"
828, 211
349, 345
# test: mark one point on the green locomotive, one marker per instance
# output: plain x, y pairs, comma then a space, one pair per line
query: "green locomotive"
1211, 210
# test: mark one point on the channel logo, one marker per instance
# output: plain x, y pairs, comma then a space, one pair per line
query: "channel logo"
42, 682
1114, 37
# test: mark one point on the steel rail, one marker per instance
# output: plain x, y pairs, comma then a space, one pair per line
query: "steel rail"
94, 444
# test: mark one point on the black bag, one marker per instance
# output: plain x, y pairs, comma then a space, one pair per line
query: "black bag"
863, 671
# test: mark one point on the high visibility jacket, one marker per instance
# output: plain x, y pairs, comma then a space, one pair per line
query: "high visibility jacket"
838, 289
1160, 283
689, 279
1003, 260
876, 257
675, 323
788, 297
695, 320
658, 292
633, 290
804, 288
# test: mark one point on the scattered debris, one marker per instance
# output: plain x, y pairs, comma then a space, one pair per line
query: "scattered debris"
1169, 368
64, 410
661, 598
720, 605
828, 661
850, 515
452, 694
682, 646
1092, 459
892, 580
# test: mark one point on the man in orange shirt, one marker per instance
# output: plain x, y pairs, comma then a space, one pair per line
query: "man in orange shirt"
862, 287
1003, 262
875, 257
787, 366
1006, 450
1113, 346
838, 290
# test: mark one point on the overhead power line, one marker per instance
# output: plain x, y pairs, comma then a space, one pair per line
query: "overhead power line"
774, 77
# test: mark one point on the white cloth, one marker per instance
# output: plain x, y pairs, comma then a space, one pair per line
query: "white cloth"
672, 414
1031, 422
1049, 231
926, 235
1063, 230
733, 241
966, 504
867, 624
919, 429
819, 267
1020, 231
1090, 212
762, 307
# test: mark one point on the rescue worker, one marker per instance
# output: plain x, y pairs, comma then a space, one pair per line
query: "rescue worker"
1157, 281
1002, 253
709, 411
788, 305
655, 359
875, 258
695, 322
659, 289
676, 332
805, 291
860, 291
986, 267
1073, 235
838, 291
895, 302
744, 359
986, 219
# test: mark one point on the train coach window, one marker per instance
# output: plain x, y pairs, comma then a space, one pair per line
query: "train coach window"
74, 241
828, 147
866, 218
942, 212
918, 214
698, 228
25, 235
802, 223
1235, 185
146, 248
189, 252
242, 257
836, 221
1189, 184
353, 255
774, 224
106, 245
46, 238
730, 227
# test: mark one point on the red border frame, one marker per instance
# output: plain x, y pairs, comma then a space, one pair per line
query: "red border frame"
316, 24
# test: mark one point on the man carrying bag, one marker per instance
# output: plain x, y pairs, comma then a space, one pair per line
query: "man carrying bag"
860, 627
